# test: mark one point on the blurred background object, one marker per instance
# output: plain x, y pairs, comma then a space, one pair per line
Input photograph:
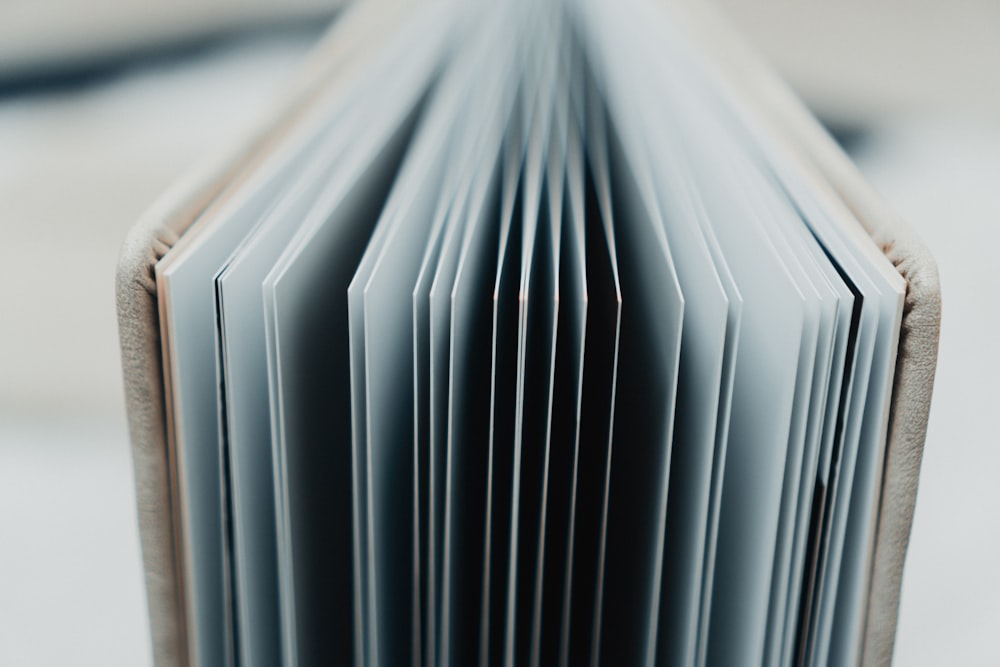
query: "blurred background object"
104, 103
858, 60
43, 39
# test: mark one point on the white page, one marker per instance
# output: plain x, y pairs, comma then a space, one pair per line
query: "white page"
521, 536
243, 362
701, 363
428, 496
186, 306
318, 570
801, 455
827, 378
789, 236
865, 247
378, 297
842, 466
821, 410
497, 562
322, 254
465, 459
805, 579
851, 602
874, 361
431, 502
380, 428
380, 419
241, 331
600, 373
645, 405
821, 303
428, 485
882, 289
760, 427
700, 390
859, 490
784, 229
888, 311
557, 572
855, 570
552, 516
814, 374
535, 350
773, 327
734, 318
502, 388
468, 418
634, 504
818, 311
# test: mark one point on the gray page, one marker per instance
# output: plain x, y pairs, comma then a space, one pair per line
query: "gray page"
186, 291
700, 373
535, 355
380, 352
187, 305
305, 298
243, 350
645, 405
814, 374
876, 324
881, 289
865, 431
782, 226
772, 326
600, 373
379, 294
502, 387
564, 426
827, 379
554, 195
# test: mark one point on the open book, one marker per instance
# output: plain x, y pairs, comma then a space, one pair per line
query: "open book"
527, 333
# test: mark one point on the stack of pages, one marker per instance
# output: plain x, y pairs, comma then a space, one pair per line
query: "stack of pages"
524, 340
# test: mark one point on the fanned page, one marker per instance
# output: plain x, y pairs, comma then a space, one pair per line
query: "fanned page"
526, 344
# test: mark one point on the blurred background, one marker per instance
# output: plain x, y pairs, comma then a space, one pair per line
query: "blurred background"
104, 103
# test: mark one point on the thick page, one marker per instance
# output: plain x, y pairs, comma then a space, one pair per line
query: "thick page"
535, 356
705, 330
308, 371
242, 349
772, 326
653, 430
564, 425
600, 374
184, 284
380, 371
